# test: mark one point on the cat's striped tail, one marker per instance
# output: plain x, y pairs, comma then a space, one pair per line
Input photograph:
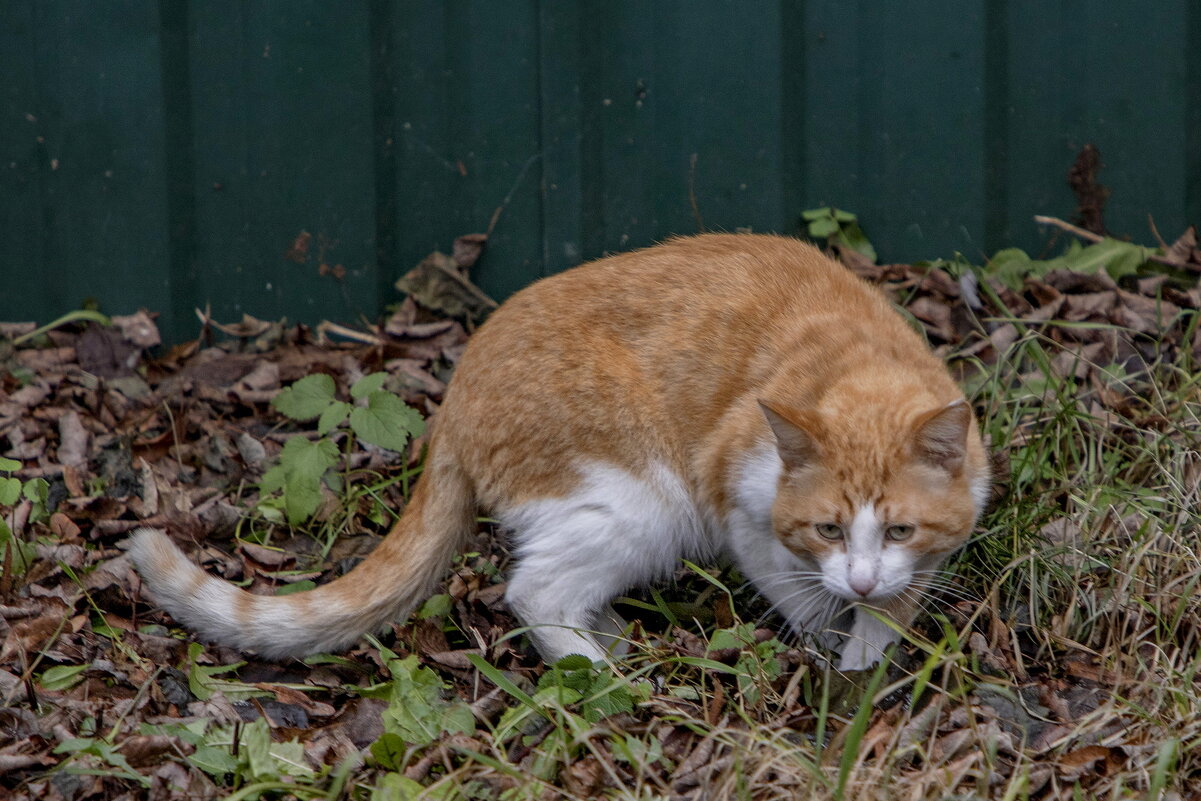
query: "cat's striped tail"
401, 572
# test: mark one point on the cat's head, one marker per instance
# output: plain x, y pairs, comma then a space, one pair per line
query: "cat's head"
872, 500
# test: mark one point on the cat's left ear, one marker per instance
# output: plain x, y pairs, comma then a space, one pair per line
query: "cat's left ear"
941, 436
793, 438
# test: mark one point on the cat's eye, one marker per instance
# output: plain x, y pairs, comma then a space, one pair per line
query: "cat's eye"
899, 532
831, 531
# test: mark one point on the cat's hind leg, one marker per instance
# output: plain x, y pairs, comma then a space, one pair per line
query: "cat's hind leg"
560, 609
575, 554
612, 631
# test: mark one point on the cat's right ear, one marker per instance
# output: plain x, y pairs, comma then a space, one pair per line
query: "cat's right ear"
796, 445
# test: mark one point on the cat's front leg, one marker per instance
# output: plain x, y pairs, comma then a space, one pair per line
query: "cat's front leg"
793, 587
870, 636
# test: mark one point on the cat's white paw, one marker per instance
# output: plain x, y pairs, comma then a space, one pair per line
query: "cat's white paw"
858, 655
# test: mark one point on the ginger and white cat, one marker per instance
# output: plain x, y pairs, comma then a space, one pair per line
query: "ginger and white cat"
736, 394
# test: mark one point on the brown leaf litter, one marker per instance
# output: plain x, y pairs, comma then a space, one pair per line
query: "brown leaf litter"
180, 440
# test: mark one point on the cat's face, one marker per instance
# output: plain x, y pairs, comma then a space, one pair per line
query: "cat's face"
874, 521
873, 547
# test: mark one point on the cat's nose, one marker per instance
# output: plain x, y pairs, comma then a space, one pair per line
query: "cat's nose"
862, 584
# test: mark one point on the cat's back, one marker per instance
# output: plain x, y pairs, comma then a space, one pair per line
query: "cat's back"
744, 278
644, 352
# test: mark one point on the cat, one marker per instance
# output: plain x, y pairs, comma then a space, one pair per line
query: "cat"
726, 394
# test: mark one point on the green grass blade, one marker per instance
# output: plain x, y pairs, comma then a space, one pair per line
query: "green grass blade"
504, 682
850, 748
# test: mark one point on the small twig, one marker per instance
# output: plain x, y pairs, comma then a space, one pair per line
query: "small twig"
137, 699
348, 333
1091, 237
471, 288
696, 209
69, 317
6, 569
27, 680
1067, 226
1155, 233
28, 669
504, 204
174, 433
237, 735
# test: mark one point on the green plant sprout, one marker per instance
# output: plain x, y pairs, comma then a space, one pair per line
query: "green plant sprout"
382, 419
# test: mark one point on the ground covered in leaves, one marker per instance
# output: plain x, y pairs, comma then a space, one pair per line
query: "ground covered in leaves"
1060, 661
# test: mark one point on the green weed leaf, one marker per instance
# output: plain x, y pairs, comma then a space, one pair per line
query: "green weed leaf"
838, 227
368, 384
37, 490
738, 637
823, 227
307, 398
573, 662
105, 752
73, 745
396, 787
389, 751
851, 237
1010, 267
301, 465
9, 465
23, 552
1116, 258
386, 421
62, 677
203, 681
438, 605
637, 753
214, 760
494, 675
10, 491
858, 727
270, 760
416, 712
574, 679
333, 416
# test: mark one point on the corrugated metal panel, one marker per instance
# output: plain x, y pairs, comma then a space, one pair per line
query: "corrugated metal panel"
168, 154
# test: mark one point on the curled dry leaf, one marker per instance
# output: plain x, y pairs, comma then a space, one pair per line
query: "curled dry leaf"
1089, 759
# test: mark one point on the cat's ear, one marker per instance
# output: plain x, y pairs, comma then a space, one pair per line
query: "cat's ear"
792, 429
941, 436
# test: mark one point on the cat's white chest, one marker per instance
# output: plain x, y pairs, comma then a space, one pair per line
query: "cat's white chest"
754, 481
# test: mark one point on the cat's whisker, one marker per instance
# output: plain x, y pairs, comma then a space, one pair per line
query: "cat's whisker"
787, 578
934, 575
946, 589
934, 578
921, 591
801, 584
921, 599
798, 592
802, 617
790, 617
790, 573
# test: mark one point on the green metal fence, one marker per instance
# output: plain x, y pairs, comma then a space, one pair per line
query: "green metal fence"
168, 155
